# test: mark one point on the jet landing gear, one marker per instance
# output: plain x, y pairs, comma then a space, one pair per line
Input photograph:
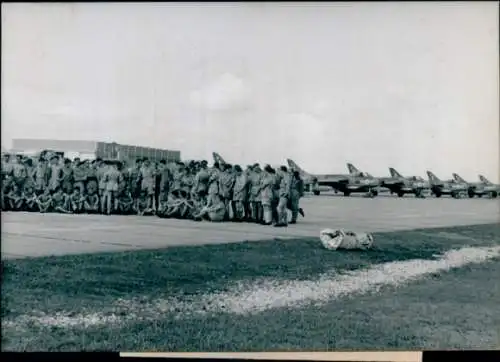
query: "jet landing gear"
372, 193
419, 194
315, 189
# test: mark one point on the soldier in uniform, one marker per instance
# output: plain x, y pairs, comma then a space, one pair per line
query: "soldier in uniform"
55, 173
240, 193
200, 187
144, 203
67, 179
112, 180
276, 196
255, 204
19, 172
248, 207
187, 181
267, 182
214, 212
30, 171
76, 201
91, 198
125, 202
213, 184
91, 186
101, 169
14, 199
226, 189
29, 198
164, 187
41, 176
60, 201
44, 201
284, 196
147, 175
133, 178
79, 175
296, 192
6, 178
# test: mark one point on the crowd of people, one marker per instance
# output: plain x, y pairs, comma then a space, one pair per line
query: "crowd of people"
190, 190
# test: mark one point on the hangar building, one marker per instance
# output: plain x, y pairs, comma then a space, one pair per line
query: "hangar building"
93, 149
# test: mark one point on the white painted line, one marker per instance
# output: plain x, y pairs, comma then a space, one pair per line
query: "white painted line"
255, 297
268, 294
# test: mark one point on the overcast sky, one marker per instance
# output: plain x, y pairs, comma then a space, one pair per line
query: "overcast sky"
408, 85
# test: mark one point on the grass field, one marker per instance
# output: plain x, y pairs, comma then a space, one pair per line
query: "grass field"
267, 295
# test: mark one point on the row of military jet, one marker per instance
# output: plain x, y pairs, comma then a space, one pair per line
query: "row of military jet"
362, 182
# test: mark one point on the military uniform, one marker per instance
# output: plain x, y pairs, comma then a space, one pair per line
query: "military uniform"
20, 174
80, 177
213, 185
55, 177
296, 192
41, 176
255, 185
67, 179
201, 180
266, 195
240, 195
284, 197
226, 185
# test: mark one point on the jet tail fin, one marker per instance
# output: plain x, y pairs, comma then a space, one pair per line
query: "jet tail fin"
394, 173
457, 178
352, 169
295, 167
432, 177
218, 158
484, 180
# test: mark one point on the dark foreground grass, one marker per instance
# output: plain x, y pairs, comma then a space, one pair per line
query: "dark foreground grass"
457, 309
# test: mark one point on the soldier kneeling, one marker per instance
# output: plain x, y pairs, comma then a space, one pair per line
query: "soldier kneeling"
214, 212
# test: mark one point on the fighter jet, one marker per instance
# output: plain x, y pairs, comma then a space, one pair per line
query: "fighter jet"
396, 183
400, 185
346, 183
479, 189
448, 187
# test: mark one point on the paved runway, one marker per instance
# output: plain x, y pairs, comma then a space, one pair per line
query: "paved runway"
34, 234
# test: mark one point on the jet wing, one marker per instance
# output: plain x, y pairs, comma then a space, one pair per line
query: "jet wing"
333, 178
391, 181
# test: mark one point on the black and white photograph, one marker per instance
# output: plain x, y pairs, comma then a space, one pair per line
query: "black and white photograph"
250, 176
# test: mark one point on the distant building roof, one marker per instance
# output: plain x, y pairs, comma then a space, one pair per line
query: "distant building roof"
59, 145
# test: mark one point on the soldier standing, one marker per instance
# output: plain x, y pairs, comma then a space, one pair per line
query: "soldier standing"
255, 203
284, 196
240, 193
267, 181
201, 180
296, 192
147, 176
164, 187
226, 185
213, 184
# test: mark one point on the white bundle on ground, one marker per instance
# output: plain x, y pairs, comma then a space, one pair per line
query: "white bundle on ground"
342, 239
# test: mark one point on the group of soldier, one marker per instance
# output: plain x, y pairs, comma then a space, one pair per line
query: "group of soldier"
190, 190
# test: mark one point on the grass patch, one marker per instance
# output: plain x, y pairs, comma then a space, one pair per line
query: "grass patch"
93, 282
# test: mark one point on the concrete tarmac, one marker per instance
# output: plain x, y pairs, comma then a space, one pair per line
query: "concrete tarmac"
34, 234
